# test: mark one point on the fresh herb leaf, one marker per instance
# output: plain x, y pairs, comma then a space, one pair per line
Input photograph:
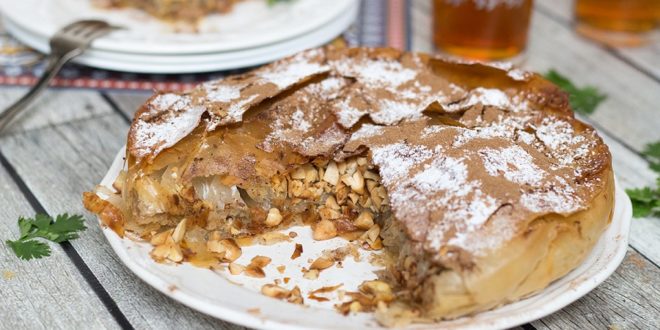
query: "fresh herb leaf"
63, 228
645, 201
583, 100
30, 249
652, 153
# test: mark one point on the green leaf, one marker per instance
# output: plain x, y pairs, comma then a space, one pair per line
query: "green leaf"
65, 227
655, 167
645, 201
652, 150
583, 100
41, 221
30, 249
642, 195
24, 226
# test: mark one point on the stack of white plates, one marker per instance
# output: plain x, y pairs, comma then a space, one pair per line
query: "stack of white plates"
252, 33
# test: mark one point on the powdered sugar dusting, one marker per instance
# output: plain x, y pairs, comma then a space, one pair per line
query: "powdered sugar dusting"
393, 111
489, 97
348, 115
396, 160
296, 69
221, 93
559, 136
366, 131
516, 164
561, 200
170, 118
376, 73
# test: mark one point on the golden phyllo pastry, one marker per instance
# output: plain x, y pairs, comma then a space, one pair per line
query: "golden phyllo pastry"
476, 180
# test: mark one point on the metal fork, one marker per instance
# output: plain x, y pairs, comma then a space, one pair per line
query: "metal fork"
69, 42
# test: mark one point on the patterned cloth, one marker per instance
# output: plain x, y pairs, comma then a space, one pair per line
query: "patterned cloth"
379, 23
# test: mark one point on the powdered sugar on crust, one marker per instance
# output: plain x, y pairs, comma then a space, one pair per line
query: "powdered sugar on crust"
366, 131
514, 163
376, 73
168, 119
396, 160
222, 93
489, 97
296, 69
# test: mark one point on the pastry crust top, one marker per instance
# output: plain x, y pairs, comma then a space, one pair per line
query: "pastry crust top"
470, 154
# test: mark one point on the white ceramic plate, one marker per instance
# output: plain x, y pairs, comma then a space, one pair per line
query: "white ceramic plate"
250, 24
188, 63
237, 299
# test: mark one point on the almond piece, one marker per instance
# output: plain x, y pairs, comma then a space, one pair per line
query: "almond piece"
322, 263
236, 269
254, 271
311, 274
179, 231
323, 230
273, 218
260, 261
364, 221
297, 251
161, 237
275, 291
298, 174
358, 183
331, 174
331, 203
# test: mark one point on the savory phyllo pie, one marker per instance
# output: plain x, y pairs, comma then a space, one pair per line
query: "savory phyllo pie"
476, 181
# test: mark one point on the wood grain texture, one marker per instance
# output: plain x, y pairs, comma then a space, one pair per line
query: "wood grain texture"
54, 106
631, 109
626, 300
632, 172
646, 58
128, 102
70, 159
46, 293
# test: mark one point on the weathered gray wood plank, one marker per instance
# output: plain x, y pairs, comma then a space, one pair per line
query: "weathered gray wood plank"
54, 106
631, 110
632, 172
72, 158
46, 293
129, 101
646, 58
626, 300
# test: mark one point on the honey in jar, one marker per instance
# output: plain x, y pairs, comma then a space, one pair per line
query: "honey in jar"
481, 29
617, 22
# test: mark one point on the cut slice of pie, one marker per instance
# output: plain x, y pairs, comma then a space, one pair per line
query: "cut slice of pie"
477, 180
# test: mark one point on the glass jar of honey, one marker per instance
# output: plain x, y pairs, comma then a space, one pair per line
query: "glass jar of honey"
617, 22
481, 29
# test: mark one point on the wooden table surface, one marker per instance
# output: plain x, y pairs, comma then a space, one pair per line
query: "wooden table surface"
67, 141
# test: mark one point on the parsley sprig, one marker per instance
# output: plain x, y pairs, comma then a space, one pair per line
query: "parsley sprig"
583, 100
63, 228
646, 201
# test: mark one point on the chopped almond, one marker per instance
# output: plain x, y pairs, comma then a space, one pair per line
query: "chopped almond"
322, 263
260, 261
297, 251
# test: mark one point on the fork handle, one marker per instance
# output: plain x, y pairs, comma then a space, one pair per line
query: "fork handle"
55, 63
